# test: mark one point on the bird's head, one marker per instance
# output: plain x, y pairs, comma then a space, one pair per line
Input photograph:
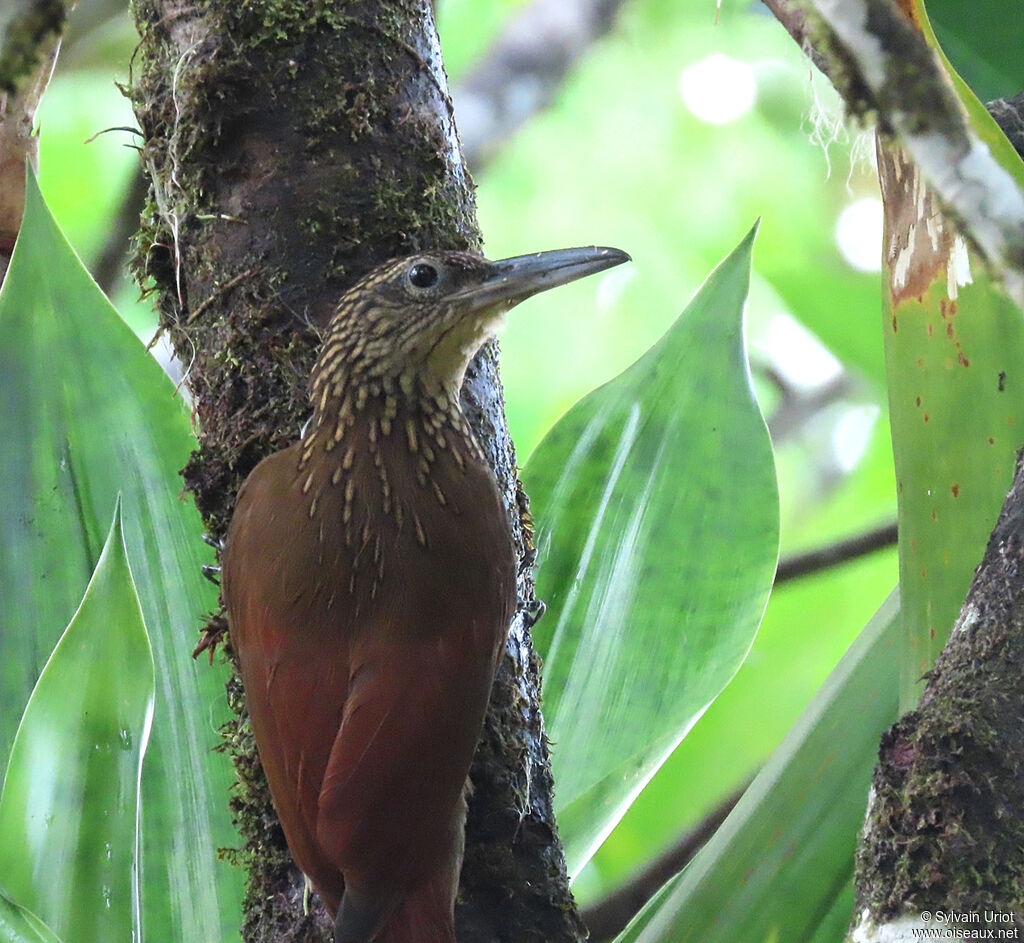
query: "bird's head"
419, 320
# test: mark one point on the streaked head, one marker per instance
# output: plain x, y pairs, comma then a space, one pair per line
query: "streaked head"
425, 316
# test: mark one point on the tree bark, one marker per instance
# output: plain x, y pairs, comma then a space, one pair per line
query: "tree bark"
945, 833
874, 54
292, 145
30, 35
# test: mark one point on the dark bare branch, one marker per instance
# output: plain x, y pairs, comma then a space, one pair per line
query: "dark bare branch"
822, 558
608, 917
524, 68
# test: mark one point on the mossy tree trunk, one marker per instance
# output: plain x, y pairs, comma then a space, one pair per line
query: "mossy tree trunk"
945, 829
292, 145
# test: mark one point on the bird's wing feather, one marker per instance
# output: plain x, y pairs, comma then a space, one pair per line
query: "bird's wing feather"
397, 767
296, 685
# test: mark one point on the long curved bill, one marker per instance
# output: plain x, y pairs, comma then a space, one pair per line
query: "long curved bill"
516, 279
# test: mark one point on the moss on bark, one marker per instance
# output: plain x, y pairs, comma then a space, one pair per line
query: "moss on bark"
945, 829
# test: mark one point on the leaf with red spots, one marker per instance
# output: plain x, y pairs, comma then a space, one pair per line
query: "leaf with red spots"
954, 348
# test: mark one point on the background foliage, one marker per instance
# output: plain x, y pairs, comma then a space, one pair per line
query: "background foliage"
677, 193
669, 139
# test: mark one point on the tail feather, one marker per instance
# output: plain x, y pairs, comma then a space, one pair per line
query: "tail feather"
357, 920
424, 916
410, 927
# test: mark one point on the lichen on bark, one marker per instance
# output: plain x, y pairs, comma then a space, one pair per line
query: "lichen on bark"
945, 830
292, 145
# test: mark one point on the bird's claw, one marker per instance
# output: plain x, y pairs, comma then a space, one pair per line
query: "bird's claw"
214, 542
212, 573
214, 630
533, 612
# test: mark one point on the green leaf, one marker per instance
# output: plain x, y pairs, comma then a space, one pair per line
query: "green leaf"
779, 867
953, 348
953, 343
657, 524
86, 414
981, 122
982, 42
70, 804
18, 925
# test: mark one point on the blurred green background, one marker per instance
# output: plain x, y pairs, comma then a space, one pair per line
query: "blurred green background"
669, 139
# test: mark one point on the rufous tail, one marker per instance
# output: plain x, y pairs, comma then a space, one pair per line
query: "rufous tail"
424, 916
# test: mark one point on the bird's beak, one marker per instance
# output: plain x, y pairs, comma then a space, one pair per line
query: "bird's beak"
516, 279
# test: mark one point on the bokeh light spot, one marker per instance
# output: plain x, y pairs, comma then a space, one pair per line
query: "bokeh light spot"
859, 234
718, 89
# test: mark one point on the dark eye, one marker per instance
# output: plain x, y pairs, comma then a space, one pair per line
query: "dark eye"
423, 275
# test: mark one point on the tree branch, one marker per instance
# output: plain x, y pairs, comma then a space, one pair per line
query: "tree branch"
114, 256
608, 917
880, 63
524, 68
794, 20
944, 830
30, 34
842, 551
298, 145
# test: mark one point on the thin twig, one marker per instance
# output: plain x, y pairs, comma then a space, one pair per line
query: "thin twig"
797, 407
113, 257
220, 291
804, 564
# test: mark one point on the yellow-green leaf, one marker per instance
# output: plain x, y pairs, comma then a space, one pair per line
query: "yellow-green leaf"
69, 811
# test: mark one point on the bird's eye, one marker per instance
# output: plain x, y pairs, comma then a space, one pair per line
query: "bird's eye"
423, 275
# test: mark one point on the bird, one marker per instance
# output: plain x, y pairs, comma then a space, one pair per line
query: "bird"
369, 580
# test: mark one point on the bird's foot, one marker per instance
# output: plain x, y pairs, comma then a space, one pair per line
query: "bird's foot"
212, 634
533, 611
214, 542
212, 573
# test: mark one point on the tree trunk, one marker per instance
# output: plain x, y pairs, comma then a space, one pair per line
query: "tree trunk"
945, 833
291, 147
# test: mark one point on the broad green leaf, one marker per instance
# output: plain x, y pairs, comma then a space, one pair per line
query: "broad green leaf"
780, 865
982, 42
85, 414
657, 525
18, 925
954, 345
70, 805
953, 342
